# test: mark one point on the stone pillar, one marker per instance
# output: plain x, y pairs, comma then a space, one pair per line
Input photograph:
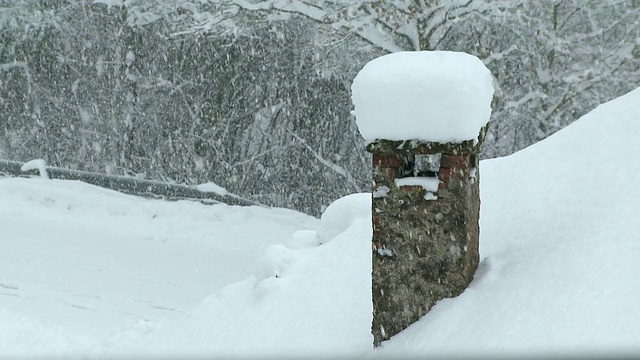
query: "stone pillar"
425, 212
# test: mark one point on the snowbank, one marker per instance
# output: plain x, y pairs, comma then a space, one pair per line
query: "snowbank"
341, 214
84, 269
36, 164
316, 303
559, 247
438, 96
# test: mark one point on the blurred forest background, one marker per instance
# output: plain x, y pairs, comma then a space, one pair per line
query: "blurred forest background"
255, 95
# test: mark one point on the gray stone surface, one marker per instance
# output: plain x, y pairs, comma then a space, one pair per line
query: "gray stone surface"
423, 249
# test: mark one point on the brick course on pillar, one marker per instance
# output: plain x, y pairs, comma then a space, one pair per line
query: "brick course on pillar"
425, 243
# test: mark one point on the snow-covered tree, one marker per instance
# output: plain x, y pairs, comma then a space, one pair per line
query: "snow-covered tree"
255, 94
554, 60
171, 98
402, 25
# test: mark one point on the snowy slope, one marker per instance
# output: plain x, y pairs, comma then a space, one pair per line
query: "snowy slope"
85, 271
80, 264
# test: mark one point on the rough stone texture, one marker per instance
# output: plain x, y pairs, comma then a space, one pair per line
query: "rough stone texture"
423, 250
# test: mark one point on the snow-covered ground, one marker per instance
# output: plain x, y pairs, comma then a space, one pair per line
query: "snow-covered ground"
87, 272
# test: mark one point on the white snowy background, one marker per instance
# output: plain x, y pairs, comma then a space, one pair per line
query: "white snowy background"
87, 272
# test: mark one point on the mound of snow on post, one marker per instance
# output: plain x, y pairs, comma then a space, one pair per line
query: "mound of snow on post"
213, 188
37, 164
438, 96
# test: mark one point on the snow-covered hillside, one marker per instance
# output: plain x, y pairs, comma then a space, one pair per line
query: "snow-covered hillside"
90, 272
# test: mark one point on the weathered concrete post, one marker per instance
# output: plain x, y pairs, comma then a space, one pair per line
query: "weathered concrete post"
425, 199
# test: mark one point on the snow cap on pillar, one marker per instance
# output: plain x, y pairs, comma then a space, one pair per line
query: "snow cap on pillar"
429, 96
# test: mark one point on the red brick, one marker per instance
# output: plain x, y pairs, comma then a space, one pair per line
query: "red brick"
445, 174
377, 227
386, 172
411, 188
386, 160
454, 161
